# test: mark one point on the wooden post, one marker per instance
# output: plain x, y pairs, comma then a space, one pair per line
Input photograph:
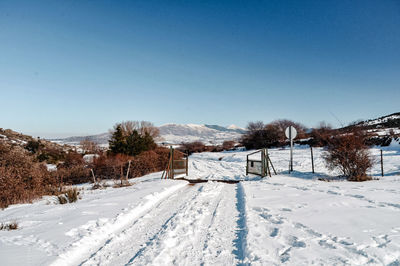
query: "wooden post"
267, 162
172, 162
247, 165
312, 160
263, 170
127, 172
94, 178
187, 164
381, 163
273, 168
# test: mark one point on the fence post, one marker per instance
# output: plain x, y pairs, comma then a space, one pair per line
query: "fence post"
127, 172
172, 162
187, 164
247, 165
312, 159
381, 163
94, 178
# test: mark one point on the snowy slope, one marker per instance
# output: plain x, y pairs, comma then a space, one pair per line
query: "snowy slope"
209, 134
174, 134
291, 219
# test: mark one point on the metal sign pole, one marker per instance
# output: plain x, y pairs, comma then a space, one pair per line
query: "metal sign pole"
291, 133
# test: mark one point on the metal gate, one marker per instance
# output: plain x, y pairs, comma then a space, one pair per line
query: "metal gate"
259, 166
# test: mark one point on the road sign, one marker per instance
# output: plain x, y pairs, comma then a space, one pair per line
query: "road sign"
291, 133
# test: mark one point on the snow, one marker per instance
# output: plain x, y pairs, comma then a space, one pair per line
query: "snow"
382, 120
178, 133
51, 167
292, 219
89, 158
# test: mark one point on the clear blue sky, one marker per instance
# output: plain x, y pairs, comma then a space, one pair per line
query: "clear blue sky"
78, 67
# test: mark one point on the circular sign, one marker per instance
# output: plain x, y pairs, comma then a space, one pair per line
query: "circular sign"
290, 132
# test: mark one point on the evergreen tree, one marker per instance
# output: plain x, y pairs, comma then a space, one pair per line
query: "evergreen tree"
117, 142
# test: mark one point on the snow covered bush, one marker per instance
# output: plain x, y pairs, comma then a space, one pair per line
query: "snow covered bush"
348, 153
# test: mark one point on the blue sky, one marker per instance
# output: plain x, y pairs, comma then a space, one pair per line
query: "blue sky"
78, 67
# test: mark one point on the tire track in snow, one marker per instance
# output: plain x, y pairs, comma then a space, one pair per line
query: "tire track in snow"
241, 232
136, 238
194, 236
81, 249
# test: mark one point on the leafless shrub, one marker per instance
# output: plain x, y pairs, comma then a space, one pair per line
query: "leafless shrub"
22, 179
109, 166
282, 124
260, 136
348, 153
142, 127
73, 170
89, 147
228, 145
192, 147
321, 135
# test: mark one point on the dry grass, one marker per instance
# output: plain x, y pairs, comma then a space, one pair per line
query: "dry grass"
69, 196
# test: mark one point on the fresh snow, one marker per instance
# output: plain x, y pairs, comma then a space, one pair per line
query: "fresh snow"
292, 219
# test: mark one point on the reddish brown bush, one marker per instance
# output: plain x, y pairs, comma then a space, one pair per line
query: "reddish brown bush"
191, 147
321, 135
228, 145
22, 179
110, 166
348, 153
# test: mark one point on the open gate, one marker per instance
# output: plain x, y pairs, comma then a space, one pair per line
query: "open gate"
259, 166
177, 164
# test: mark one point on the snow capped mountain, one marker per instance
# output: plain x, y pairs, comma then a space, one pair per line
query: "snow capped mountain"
174, 134
209, 134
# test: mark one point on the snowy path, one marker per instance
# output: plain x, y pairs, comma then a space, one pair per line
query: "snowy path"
184, 228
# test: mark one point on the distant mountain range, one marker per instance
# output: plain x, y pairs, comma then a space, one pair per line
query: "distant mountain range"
174, 134
215, 134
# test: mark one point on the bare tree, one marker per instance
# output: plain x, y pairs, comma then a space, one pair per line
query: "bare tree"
282, 124
89, 146
142, 127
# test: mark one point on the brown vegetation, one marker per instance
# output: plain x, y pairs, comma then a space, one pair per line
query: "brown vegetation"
109, 166
228, 145
320, 136
90, 147
192, 147
348, 153
142, 127
70, 195
22, 179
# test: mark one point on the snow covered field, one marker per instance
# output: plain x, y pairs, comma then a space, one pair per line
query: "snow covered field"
289, 219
